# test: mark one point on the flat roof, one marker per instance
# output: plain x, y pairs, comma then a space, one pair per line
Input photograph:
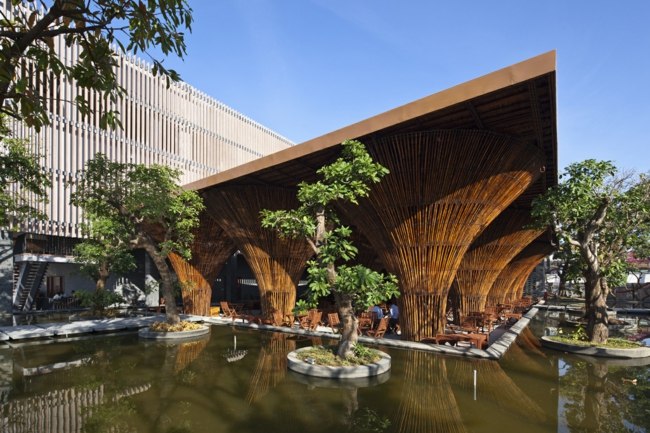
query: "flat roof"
518, 100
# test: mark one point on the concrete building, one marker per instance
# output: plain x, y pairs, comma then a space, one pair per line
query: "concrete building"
179, 126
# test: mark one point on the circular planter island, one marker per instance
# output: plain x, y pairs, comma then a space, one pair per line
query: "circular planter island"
346, 372
173, 336
603, 352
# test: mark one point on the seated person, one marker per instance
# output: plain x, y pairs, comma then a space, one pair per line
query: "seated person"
377, 313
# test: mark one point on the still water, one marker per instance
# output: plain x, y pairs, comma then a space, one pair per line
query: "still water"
122, 384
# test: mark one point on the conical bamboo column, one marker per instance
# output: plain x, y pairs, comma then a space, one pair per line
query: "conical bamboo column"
210, 250
427, 404
276, 262
503, 239
444, 187
508, 286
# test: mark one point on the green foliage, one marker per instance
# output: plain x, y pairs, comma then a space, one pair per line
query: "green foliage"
601, 213
19, 166
97, 27
129, 204
98, 300
347, 179
321, 355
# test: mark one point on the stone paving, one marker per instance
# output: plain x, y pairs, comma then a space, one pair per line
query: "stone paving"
52, 331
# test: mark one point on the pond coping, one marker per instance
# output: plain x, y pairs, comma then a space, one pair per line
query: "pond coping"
602, 352
173, 336
494, 352
53, 331
338, 372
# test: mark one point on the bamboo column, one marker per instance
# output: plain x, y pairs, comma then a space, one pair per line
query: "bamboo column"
492, 250
509, 284
276, 262
444, 187
210, 250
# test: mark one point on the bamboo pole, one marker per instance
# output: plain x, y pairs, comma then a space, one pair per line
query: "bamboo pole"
444, 187
210, 250
277, 262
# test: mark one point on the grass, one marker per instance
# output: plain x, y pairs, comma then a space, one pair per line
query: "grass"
327, 356
612, 343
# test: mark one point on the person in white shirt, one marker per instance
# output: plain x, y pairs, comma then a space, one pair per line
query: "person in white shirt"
393, 313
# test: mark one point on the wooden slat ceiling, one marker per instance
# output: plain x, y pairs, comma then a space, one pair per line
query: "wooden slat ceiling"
518, 100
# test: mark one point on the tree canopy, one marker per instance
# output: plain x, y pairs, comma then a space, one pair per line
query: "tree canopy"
27, 44
134, 206
604, 214
22, 182
349, 178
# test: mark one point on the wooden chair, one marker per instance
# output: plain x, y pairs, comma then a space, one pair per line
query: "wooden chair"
311, 320
334, 322
229, 311
380, 330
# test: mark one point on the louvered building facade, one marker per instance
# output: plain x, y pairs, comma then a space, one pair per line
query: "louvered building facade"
178, 126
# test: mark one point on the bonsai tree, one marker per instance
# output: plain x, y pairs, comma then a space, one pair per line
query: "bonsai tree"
134, 206
603, 214
353, 286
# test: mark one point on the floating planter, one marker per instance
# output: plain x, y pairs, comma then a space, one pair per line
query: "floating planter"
153, 334
346, 372
637, 352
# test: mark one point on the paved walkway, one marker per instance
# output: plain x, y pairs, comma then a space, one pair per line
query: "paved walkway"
57, 330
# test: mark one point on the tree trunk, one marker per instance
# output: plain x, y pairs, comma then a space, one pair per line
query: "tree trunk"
167, 285
349, 325
596, 308
103, 276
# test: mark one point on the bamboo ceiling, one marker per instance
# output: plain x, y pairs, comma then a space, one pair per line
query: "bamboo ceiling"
444, 187
512, 111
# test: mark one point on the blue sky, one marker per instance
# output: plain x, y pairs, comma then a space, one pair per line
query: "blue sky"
306, 67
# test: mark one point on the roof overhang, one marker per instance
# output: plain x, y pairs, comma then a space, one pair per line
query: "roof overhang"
519, 100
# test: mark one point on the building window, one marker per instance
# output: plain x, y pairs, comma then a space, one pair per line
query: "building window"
54, 286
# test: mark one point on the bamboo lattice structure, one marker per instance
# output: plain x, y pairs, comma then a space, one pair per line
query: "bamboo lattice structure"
210, 250
271, 365
502, 240
509, 285
427, 404
276, 262
444, 187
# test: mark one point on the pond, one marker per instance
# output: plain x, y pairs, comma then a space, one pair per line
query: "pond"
236, 380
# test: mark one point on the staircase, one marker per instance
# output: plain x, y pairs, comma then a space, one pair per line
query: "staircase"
30, 277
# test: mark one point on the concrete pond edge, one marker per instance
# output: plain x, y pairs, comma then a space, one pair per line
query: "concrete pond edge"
353, 372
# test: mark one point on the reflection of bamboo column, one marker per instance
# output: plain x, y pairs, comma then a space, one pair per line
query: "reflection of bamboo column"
271, 365
508, 286
210, 250
276, 262
444, 187
188, 352
503, 239
428, 404
495, 385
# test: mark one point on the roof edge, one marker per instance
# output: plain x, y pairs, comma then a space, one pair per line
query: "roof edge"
519, 72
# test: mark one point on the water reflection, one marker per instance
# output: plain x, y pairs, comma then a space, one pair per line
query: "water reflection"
127, 385
428, 403
605, 397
